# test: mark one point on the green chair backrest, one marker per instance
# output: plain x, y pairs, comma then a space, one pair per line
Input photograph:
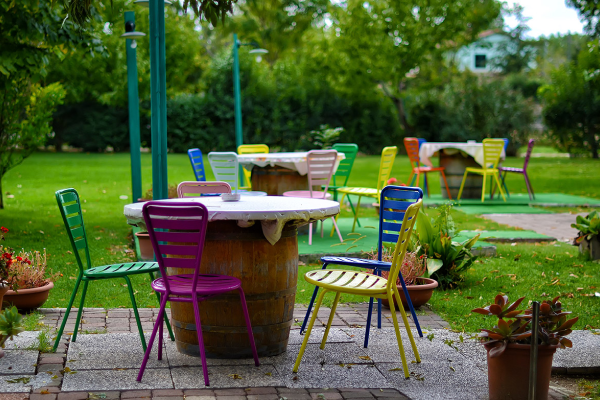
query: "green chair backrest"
70, 210
492, 150
388, 155
340, 178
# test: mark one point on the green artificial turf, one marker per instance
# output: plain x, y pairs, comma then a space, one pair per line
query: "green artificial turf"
512, 236
501, 209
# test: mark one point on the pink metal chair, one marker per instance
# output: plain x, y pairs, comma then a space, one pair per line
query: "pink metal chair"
197, 189
521, 171
178, 230
320, 169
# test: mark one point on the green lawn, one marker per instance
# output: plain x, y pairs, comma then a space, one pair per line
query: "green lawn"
34, 222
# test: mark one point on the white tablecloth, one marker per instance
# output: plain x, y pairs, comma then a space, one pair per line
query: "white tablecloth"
475, 150
295, 161
272, 211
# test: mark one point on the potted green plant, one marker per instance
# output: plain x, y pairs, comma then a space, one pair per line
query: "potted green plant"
416, 277
508, 345
588, 238
10, 325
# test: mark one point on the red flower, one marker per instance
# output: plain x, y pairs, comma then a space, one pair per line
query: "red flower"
3, 229
19, 259
28, 262
8, 256
391, 181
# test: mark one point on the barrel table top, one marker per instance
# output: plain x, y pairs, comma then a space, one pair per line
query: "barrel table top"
273, 212
475, 150
295, 161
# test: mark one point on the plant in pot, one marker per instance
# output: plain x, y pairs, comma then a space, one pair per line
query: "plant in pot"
588, 237
25, 277
10, 325
508, 345
416, 276
447, 260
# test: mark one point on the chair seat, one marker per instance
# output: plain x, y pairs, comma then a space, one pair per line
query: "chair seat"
360, 191
307, 194
511, 169
357, 262
118, 270
348, 281
181, 285
428, 169
482, 170
252, 193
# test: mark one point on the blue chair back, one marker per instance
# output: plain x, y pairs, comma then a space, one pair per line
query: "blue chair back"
197, 164
505, 143
392, 205
421, 141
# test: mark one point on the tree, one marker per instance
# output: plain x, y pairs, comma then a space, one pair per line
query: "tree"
589, 14
516, 54
572, 102
378, 42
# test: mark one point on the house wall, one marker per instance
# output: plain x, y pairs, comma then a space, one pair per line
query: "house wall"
487, 47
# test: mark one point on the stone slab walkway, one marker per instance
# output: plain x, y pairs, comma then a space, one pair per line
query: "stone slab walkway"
104, 361
556, 225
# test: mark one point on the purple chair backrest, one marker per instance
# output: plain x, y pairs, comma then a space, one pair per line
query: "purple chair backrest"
529, 149
320, 168
176, 230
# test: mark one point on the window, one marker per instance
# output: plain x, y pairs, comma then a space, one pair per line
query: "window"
480, 61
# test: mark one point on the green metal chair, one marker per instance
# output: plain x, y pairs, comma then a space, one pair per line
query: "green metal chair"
342, 174
70, 210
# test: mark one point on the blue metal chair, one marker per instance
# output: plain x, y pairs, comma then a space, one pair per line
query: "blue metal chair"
393, 203
197, 164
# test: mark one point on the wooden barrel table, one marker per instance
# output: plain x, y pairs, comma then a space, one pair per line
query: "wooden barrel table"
455, 165
269, 274
277, 180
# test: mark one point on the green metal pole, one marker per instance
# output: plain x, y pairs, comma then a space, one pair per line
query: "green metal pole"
239, 140
158, 87
134, 115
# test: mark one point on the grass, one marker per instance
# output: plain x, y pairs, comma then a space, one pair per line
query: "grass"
34, 222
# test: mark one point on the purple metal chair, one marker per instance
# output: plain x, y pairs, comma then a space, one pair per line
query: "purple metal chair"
176, 230
521, 170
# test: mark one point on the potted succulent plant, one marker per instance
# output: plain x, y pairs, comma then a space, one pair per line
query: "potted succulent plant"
416, 276
508, 345
588, 238
10, 325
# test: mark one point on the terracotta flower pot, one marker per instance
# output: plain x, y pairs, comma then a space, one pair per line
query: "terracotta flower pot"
28, 299
3, 290
591, 247
508, 374
419, 294
146, 250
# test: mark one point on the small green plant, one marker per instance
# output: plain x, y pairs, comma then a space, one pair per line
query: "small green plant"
10, 324
588, 226
43, 343
553, 325
172, 193
447, 260
324, 137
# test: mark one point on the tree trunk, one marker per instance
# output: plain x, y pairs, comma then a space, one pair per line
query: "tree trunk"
1, 196
402, 116
593, 142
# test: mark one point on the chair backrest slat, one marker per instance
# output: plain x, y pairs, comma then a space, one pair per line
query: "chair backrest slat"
320, 168
197, 189
492, 150
177, 232
251, 149
388, 155
195, 156
342, 173
394, 202
408, 222
412, 149
529, 150
70, 211
225, 167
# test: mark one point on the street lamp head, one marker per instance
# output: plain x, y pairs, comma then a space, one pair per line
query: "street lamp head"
146, 3
130, 33
258, 51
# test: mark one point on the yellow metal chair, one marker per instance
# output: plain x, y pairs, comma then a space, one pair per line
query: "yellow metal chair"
369, 285
250, 149
492, 150
388, 155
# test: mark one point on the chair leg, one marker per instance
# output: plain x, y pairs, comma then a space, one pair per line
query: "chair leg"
336, 229
66, 316
159, 318
398, 337
462, 185
78, 320
200, 338
407, 326
410, 305
504, 183
309, 330
356, 214
310, 233
418, 176
135, 312
312, 301
331, 315
353, 212
529, 188
160, 339
166, 319
248, 326
412, 178
500, 187
426, 185
379, 305
368, 322
483, 188
336, 217
445, 184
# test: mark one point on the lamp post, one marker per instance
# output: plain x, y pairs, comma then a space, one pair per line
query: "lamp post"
239, 139
133, 98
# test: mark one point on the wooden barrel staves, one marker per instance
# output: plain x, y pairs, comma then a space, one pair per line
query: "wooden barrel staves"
276, 180
455, 165
269, 274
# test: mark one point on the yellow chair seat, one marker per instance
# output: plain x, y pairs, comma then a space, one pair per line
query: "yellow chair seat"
360, 191
492, 150
482, 171
354, 282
